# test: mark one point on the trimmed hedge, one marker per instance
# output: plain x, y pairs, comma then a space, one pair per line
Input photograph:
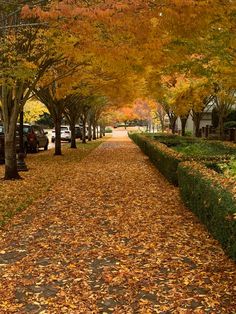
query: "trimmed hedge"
164, 158
220, 147
209, 195
212, 198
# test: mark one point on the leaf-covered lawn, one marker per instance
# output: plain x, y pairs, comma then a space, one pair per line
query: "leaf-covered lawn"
44, 170
112, 237
204, 148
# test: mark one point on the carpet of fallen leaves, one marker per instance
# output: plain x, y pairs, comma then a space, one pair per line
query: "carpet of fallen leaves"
112, 237
44, 170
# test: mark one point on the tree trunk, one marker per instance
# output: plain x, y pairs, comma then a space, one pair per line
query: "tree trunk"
197, 116
172, 125
197, 126
84, 131
94, 132
1, 116
10, 157
10, 115
97, 132
162, 128
73, 137
101, 133
183, 125
221, 126
57, 123
90, 131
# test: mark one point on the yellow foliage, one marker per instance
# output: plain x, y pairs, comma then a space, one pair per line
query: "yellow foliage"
32, 111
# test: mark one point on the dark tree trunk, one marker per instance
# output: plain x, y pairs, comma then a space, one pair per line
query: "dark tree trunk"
172, 125
197, 116
11, 171
10, 120
172, 119
84, 131
57, 123
73, 137
197, 127
162, 127
221, 127
94, 132
101, 133
90, 131
183, 125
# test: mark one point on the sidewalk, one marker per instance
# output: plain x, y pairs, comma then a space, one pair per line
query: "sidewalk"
116, 240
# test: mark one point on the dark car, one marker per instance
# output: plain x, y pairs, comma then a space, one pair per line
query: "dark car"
2, 143
36, 137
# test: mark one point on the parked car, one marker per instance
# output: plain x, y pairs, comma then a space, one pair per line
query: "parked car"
65, 134
2, 143
36, 137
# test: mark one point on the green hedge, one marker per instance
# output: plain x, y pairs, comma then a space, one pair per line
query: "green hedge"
164, 158
217, 147
210, 196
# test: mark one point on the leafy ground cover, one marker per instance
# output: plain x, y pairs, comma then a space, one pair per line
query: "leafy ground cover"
113, 238
227, 169
204, 148
196, 147
44, 170
218, 155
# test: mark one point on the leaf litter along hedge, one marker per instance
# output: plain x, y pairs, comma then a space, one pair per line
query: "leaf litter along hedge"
193, 146
212, 198
167, 159
209, 195
164, 158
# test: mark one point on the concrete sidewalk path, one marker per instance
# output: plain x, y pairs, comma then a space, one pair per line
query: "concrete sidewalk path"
113, 237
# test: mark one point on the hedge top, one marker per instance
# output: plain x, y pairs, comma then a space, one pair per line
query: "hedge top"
217, 179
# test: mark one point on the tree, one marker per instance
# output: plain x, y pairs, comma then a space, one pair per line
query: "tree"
99, 104
223, 100
160, 115
73, 112
25, 55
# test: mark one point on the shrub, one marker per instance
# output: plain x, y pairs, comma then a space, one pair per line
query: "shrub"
167, 159
175, 140
108, 130
227, 168
231, 116
212, 198
164, 158
198, 148
230, 124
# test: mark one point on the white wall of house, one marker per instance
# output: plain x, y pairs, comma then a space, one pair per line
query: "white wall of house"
206, 120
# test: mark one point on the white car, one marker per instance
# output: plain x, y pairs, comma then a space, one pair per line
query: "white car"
65, 134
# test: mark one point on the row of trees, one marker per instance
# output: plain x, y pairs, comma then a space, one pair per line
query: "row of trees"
61, 53
83, 57
199, 62
187, 60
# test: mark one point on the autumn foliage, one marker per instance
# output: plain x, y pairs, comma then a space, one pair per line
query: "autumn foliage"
179, 54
